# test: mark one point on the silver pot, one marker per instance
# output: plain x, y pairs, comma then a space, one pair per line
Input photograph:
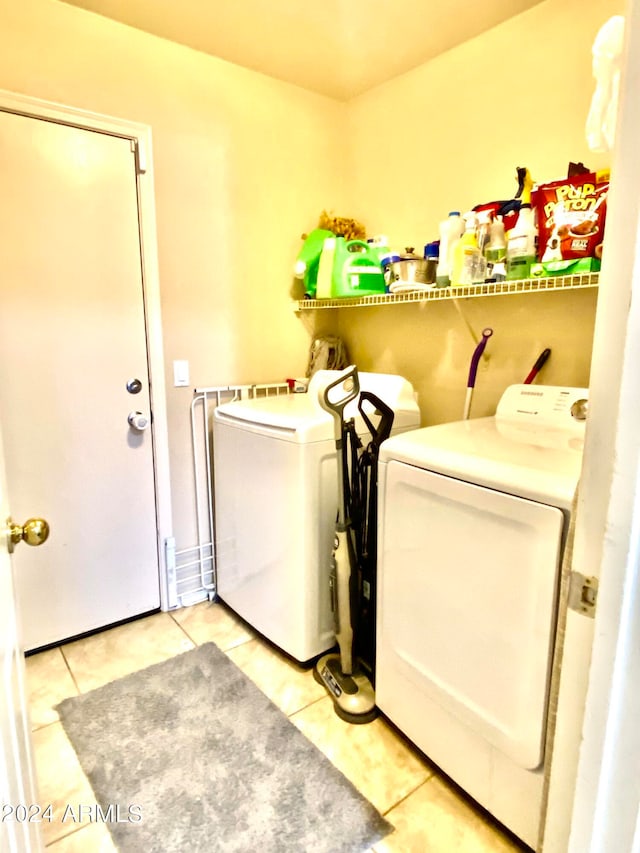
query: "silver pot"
407, 268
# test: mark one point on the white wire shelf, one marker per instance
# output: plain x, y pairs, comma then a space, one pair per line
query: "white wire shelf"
437, 294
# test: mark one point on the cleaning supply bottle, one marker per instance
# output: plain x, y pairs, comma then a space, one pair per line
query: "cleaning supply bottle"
496, 251
380, 245
451, 230
432, 256
483, 233
466, 254
356, 270
522, 239
325, 268
521, 245
308, 262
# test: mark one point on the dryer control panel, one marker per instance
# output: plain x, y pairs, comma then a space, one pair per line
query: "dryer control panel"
554, 406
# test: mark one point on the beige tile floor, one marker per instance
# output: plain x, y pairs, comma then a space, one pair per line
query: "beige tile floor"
427, 811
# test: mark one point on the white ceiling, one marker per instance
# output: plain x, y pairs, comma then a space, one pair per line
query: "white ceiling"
339, 48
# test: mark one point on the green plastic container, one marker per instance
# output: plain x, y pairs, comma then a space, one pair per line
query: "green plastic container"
308, 261
356, 270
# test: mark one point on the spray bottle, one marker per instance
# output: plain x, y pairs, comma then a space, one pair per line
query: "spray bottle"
496, 251
466, 255
521, 241
483, 235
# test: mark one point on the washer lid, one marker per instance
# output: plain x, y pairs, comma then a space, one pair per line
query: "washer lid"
532, 460
300, 418
290, 417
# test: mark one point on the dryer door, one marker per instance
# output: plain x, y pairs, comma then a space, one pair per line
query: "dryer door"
467, 595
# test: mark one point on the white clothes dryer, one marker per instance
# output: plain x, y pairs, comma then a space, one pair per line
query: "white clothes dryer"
276, 497
472, 521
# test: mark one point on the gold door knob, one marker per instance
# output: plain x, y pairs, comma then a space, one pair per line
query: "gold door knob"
34, 531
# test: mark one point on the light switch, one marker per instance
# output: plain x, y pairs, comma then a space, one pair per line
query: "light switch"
180, 373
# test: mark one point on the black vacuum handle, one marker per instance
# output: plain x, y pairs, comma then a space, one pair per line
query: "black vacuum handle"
383, 430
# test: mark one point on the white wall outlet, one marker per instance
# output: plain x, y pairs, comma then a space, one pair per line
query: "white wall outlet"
180, 373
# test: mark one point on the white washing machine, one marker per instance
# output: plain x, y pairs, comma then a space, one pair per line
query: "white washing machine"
472, 520
276, 498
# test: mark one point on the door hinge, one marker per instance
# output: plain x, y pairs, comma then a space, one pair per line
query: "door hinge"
141, 156
583, 594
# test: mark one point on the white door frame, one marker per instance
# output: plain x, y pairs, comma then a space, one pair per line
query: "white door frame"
607, 791
594, 794
140, 136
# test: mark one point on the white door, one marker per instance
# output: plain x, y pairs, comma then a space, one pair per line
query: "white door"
72, 337
18, 824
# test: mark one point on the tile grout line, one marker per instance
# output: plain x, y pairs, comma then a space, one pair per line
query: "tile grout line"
429, 778
68, 835
184, 630
68, 665
308, 705
197, 644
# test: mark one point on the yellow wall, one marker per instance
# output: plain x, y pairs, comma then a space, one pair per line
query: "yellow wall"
449, 135
243, 164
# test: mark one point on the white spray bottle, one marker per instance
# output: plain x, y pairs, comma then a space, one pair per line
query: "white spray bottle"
522, 239
451, 229
496, 251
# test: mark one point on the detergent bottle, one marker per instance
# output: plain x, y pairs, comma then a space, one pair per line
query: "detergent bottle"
356, 269
466, 255
521, 240
308, 262
451, 230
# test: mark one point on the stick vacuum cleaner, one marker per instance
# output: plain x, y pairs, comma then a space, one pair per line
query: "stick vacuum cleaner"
342, 675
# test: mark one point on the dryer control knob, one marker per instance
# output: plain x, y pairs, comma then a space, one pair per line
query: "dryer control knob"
580, 409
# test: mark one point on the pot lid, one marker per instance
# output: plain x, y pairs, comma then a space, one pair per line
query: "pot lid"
410, 255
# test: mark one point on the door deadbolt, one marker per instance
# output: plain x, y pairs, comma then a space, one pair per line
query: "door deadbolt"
134, 386
34, 531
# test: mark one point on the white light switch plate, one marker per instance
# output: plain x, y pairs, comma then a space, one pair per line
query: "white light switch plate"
180, 373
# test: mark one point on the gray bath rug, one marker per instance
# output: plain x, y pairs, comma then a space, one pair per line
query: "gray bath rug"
189, 755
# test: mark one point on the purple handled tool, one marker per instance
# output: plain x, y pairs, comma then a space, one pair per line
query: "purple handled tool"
473, 369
